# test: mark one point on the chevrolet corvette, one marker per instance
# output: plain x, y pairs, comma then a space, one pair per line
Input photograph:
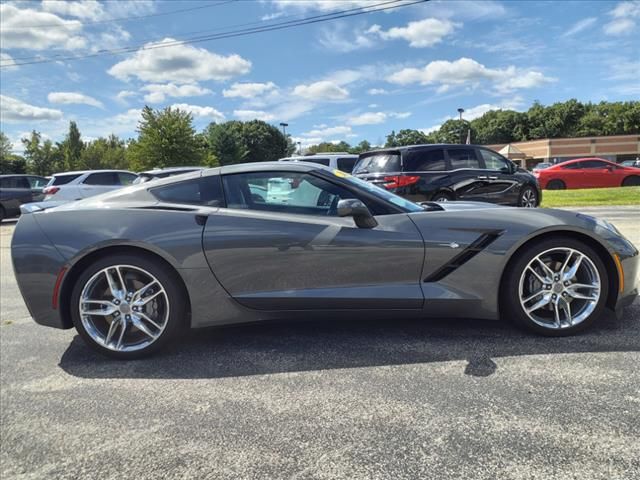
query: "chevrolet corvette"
294, 240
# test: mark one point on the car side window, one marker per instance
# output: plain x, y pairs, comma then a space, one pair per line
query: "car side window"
346, 164
14, 182
37, 182
493, 161
463, 158
198, 191
321, 161
594, 164
102, 178
573, 166
286, 192
431, 160
126, 178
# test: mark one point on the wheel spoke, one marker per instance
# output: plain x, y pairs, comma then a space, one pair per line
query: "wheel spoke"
542, 280
146, 318
574, 268
545, 267
111, 308
139, 293
113, 283
535, 295
541, 303
556, 312
139, 324
123, 329
146, 300
112, 330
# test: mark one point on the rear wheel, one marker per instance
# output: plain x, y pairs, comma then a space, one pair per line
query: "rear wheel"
556, 287
127, 306
442, 197
631, 181
528, 197
556, 185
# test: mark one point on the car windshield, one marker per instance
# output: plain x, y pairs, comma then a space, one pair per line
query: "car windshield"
406, 205
378, 163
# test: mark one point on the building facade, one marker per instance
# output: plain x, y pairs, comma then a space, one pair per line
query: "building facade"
616, 148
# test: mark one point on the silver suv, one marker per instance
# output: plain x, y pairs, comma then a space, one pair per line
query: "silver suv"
338, 160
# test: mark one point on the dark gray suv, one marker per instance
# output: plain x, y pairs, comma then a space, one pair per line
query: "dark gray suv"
18, 189
443, 173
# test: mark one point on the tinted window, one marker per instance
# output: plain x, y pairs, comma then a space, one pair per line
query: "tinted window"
594, 164
463, 158
287, 192
14, 182
198, 191
573, 166
425, 161
321, 161
102, 178
126, 178
37, 182
378, 162
63, 179
493, 161
347, 164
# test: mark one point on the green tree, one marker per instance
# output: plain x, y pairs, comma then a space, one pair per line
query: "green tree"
105, 153
225, 144
363, 146
406, 137
40, 158
166, 138
72, 148
329, 147
9, 162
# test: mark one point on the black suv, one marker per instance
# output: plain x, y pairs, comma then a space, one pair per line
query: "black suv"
443, 173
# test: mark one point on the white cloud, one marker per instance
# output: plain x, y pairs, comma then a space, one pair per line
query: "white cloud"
69, 98
122, 96
17, 31
248, 90
201, 112
158, 92
625, 16
579, 26
468, 72
85, 9
467, 9
322, 90
179, 63
7, 62
515, 103
247, 115
377, 91
320, 5
324, 132
343, 38
419, 34
120, 124
14, 110
375, 118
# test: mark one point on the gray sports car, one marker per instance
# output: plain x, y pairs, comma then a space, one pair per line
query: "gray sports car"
261, 241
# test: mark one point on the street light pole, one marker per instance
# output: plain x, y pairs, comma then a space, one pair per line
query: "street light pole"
299, 148
284, 126
460, 112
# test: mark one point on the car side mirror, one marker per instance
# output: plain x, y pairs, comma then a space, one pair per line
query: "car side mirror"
352, 207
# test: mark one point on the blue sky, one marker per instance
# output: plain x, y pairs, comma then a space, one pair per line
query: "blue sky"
350, 79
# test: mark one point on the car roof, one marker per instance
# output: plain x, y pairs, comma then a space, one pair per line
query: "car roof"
20, 175
82, 172
170, 169
421, 146
267, 167
302, 158
576, 160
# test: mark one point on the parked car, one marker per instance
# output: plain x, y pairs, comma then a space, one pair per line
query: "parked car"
442, 173
70, 186
631, 163
163, 173
542, 166
587, 173
339, 160
16, 190
111, 268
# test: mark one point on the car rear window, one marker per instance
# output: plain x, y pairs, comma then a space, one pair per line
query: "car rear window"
346, 164
63, 179
102, 178
431, 160
378, 163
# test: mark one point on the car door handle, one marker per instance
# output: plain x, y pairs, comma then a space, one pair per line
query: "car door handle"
481, 177
493, 178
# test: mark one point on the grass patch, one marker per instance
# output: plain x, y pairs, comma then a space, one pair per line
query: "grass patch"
591, 197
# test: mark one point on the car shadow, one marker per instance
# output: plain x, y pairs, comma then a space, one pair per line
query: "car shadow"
320, 345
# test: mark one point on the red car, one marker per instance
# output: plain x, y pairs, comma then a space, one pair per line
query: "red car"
587, 173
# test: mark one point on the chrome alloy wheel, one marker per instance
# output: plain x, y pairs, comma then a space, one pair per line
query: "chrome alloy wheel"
529, 199
124, 308
559, 288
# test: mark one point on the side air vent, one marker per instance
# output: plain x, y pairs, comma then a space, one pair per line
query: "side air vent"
482, 242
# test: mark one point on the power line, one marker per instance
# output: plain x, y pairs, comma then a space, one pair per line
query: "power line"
231, 34
121, 19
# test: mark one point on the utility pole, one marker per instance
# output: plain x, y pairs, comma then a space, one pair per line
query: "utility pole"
284, 126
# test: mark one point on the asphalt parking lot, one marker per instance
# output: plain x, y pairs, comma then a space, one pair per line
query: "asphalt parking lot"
373, 400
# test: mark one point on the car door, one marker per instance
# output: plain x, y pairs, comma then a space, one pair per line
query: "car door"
468, 180
99, 182
279, 245
502, 186
37, 185
599, 174
14, 191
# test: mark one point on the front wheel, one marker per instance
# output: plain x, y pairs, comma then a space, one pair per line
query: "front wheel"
528, 197
127, 306
631, 181
556, 287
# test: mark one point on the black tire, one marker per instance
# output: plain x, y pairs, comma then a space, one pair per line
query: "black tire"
511, 307
556, 185
631, 181
177, 305
442, 197
528, 197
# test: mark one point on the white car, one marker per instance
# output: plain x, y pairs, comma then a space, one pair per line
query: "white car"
338, 160
70, 186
